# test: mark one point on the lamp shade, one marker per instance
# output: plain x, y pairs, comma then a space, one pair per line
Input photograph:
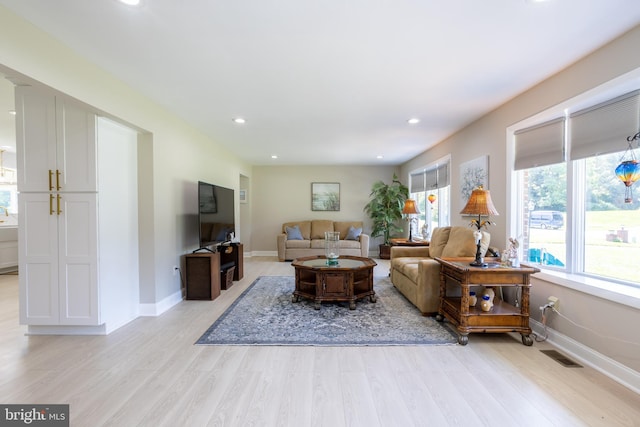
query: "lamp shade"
480, 204
410, 207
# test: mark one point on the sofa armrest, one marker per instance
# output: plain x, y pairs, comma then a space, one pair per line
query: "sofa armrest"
409, 251
281, 240
364, 245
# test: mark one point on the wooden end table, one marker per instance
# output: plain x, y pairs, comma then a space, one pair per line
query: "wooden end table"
349, 280
503, 317
407, 242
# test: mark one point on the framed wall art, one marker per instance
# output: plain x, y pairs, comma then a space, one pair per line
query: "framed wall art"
325, 196
472, 174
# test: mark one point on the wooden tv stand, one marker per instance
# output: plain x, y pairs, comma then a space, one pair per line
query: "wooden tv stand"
203, 271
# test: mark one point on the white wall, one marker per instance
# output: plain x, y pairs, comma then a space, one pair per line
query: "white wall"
118, 223
283, 193
488, 136
180, 155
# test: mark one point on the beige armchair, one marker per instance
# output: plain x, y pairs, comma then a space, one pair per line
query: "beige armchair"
416, 273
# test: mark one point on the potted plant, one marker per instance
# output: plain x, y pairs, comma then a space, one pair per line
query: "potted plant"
385, 210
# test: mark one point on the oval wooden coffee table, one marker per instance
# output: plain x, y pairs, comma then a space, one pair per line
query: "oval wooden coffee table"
349, 280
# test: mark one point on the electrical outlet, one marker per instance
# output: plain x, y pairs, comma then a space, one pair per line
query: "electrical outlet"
555, 301
175, 270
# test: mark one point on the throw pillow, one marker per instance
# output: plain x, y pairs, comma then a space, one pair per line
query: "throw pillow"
293, 233
353, 233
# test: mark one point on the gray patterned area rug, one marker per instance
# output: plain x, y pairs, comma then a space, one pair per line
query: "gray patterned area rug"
265, 315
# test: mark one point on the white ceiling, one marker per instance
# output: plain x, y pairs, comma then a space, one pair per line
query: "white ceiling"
332, 81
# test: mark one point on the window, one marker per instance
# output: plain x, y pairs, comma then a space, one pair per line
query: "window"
430, 188
571, 209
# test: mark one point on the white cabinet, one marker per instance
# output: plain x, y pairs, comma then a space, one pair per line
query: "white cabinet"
58, 259
57, 205
78, 217
8, 248
56, 143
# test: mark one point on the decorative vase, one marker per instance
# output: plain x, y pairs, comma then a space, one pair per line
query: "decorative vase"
332, 246
485, 304
490, 293
473, 299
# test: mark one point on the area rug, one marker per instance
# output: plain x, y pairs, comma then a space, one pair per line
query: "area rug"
265, 315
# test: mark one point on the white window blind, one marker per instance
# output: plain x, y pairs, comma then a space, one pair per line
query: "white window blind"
417, 182
430, 179
604, 128
540, 145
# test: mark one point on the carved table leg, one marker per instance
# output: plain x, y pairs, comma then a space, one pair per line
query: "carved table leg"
526, 340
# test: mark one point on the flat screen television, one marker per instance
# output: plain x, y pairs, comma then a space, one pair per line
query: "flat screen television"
216, 215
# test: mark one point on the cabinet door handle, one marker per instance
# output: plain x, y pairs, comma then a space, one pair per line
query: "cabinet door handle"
58, 204
50, 180
50, 204
57, 180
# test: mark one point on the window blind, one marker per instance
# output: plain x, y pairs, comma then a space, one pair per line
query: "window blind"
430, 179
540, 145
417, 182
604, 128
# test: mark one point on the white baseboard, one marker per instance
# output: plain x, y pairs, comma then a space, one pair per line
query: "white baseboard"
588, 356
264, 253
156, 309
66, 330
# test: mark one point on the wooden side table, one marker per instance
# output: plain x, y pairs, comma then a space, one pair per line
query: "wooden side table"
406, 242
503, 317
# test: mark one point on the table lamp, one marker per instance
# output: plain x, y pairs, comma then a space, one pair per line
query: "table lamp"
479, 204
410, 208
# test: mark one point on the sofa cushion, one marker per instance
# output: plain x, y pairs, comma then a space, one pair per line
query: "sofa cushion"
298, 244
439, 239
317, 243
461, 243
349, 244
353, 233
319, 227
342, 227
305, 228
294, 233
411, 271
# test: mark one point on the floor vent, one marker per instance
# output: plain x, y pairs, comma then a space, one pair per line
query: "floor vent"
561, 358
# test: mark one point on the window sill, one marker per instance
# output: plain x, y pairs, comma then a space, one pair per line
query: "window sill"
621, 294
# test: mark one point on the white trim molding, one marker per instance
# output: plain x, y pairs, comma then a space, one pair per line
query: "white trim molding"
586, 355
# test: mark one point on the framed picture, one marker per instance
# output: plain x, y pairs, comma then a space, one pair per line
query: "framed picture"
325, 196
243, 196
472, 174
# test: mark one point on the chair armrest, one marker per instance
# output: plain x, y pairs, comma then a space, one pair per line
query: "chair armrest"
364, 245
409, 251
281, 240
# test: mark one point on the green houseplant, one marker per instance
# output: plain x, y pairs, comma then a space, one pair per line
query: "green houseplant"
385, 210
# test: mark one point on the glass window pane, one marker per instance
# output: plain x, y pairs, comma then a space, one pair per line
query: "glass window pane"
545, 202
612, 227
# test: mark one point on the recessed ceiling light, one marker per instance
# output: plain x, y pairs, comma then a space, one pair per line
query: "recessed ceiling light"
130, 2
413, 121
12, 112
239, 120
379, 157
273, 156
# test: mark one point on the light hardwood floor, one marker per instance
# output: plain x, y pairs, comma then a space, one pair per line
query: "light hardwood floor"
150, 373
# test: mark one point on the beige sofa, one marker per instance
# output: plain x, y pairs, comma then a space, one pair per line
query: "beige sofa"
415, 272
312, 242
